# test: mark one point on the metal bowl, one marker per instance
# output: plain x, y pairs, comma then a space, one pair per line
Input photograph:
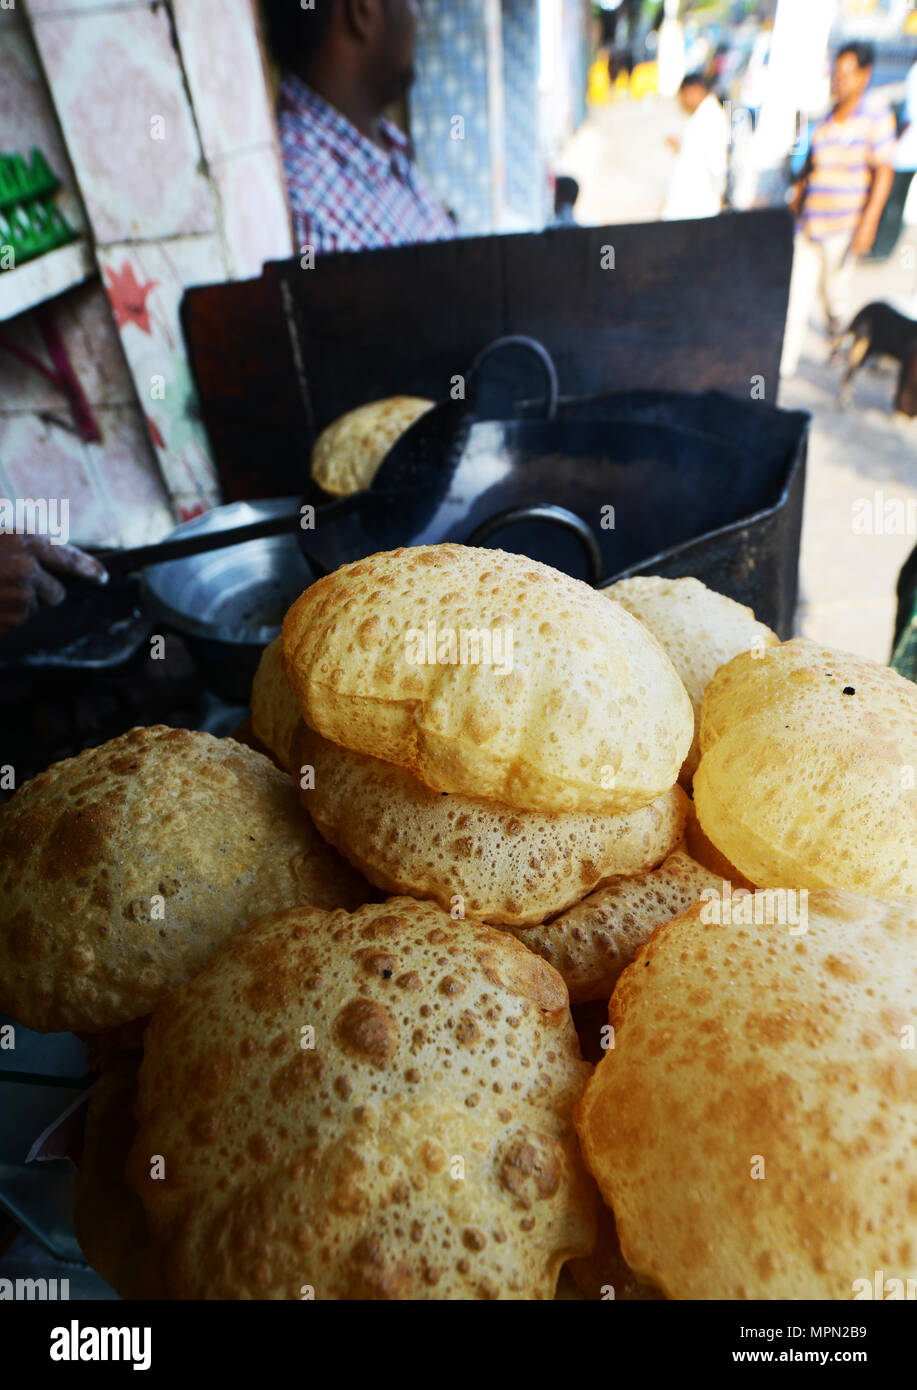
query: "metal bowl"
228, 604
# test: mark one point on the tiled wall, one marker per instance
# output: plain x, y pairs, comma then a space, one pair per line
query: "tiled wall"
166, 116
480, 62
576, 17
526, 172
114, 487
165, 113
450, 111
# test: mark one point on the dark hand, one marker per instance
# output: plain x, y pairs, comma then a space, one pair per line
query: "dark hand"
28, 565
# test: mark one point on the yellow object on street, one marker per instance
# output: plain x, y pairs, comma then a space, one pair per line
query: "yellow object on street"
644, 80
598, 91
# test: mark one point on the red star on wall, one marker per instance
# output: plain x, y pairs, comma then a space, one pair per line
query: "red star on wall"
128, 298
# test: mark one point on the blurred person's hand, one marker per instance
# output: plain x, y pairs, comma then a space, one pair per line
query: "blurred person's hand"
28, 569
864, 237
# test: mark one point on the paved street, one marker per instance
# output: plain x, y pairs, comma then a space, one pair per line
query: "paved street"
858, 454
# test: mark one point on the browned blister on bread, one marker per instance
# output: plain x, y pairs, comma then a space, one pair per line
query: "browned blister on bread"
489, 675
364, 1106
754, 1125
122, 868
495, 863
591, 943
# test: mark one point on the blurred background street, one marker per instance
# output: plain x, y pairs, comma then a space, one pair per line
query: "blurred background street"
847, 580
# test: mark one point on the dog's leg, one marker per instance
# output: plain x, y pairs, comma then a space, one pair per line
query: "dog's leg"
906, 393
836, 350
855, 358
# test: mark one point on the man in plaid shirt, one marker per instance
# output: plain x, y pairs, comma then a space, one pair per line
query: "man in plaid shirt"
352, 184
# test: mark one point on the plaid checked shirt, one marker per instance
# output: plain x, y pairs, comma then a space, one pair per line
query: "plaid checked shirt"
346, 193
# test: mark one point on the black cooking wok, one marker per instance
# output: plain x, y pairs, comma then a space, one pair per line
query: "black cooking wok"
667, 483
639, 482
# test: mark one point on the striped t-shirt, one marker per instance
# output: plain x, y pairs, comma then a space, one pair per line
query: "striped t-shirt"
844, 158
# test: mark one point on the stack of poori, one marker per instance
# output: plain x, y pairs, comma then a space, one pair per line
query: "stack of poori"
341, 1097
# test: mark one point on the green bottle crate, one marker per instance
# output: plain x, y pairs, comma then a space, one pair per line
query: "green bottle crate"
30, 220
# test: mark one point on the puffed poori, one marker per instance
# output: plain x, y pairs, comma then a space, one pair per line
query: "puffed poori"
489, 675
698, 628
704, 851
593, 942
108, 1215
755, 1124
275, 712
367, 1106
604, 1274
808, 772
347, 454
499, 864
122, 868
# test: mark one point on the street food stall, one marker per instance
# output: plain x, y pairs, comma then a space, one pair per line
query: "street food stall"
436, 870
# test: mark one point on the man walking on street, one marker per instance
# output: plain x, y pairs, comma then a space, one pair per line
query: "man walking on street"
698, 180
839, 198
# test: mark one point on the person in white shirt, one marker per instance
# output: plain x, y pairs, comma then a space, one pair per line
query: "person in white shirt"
698, 182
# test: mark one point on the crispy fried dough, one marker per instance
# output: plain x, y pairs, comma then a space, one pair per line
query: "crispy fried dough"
755, 1125
347, 454
107, 1215
505, 866
275, 711
578, 708
699, 629
807, 774
122, 868
590, 944
417, 1144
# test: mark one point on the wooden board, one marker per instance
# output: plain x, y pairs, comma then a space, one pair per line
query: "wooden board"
243, 367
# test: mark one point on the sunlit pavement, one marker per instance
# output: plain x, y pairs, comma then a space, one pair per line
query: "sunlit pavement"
847, 578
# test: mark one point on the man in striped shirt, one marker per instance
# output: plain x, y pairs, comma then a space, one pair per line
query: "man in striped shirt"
352, 184
839, 198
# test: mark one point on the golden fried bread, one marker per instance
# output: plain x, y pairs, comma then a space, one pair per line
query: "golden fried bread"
122, 868
108, 1216
577, 709
704, 851
755, 1125
367, 1106
699, 629
347, 454
590, 944
808, 774
275, 712
490, 861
